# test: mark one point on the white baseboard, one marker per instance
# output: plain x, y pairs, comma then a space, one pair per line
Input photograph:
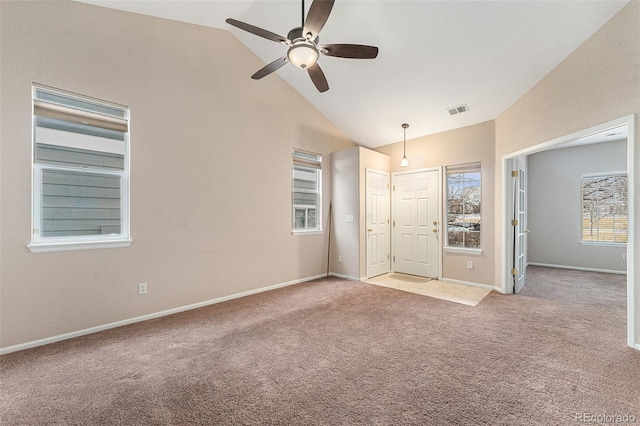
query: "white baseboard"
71, 335
470, 284
578, 268
346, 277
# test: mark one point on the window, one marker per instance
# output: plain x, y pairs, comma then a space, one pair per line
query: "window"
307, 178
463, 206
604, 208
80, 172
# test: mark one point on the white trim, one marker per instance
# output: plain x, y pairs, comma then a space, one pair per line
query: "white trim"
629, 121
78, 245
91, 330
310, 232
631, 233
602, 244
469, 284
577, 268
463, 250
346, 277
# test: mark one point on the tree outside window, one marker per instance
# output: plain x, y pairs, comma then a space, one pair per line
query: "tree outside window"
463, 206
604, 208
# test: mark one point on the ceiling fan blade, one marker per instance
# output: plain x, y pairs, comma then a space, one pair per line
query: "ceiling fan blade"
318, 78
257, 31
353, 51
317, 17
268, 69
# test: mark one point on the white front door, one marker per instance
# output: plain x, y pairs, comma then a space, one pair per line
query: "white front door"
378, 226
416, 231
519, 226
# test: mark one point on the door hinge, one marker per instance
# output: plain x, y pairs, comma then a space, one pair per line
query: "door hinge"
394, 223
36, 230
387, 221
514, 272
394, 258
514, 222
514, 173
394, 187
388, 256
387, 186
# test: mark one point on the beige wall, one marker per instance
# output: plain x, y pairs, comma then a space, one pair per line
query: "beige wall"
210, 168
345, 199
597, 83
349, 239
460, 146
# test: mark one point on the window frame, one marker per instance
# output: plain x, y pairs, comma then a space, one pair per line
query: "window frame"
310, 162
601, 243
41, 244
475, 167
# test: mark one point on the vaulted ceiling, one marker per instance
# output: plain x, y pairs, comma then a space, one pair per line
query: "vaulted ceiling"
433, 54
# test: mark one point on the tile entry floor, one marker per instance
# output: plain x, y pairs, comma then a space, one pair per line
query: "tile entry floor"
443, 290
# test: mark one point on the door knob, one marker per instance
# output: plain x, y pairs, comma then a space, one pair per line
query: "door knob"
435, 231
435, 223
370, 230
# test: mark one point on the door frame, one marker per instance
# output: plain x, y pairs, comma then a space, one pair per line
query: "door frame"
507, 189
366, 216
393, 213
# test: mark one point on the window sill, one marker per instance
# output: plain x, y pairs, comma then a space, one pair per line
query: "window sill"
78, 245
305, 232
602, 244
463, 250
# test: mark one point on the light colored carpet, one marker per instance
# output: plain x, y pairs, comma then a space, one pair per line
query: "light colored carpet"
443, 290
336, 352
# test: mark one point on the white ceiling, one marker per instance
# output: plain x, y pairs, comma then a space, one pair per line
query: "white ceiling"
433, 54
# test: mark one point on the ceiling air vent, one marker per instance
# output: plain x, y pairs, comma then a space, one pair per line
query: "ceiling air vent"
458, 110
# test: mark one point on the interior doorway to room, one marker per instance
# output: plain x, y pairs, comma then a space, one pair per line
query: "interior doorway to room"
378, 255
416, 222
515, 212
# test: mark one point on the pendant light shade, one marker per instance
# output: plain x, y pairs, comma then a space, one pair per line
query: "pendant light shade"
405, 161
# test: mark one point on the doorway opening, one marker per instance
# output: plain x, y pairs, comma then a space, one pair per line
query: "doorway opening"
514, 248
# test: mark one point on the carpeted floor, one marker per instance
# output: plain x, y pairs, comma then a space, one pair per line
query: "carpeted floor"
336, 352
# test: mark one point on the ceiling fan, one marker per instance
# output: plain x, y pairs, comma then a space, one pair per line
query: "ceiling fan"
304, 48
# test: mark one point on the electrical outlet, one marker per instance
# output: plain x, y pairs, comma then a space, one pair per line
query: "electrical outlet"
470, 264
340, 258
142, 288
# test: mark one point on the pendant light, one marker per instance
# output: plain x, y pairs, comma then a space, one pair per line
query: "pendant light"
405, 161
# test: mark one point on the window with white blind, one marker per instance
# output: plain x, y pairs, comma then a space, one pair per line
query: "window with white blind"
307, 179
80, 172
604, 208
464, 198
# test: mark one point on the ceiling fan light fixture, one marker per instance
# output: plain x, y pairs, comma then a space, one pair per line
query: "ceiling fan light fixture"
303, 54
